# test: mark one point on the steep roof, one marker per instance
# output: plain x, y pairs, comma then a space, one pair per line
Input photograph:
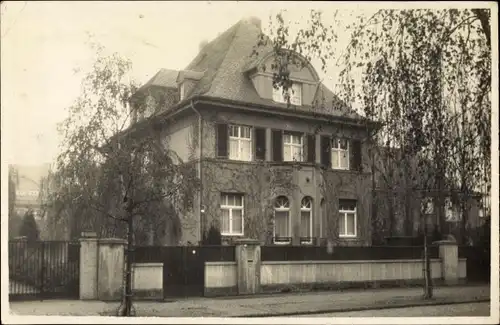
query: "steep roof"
224, 62
163, 78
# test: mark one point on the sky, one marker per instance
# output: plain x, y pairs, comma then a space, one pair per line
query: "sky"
43, 43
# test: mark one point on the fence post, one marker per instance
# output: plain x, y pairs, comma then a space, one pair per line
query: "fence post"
248, 266
111, 268
448, 253
88, 266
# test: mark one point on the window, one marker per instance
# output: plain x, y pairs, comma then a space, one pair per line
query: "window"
232, 214
294, 94
282, 220
306, 223
452, 211
292, 147
347, 218
240, 143
340, 154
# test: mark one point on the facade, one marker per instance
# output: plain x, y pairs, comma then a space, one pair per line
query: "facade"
28, 181
282, 167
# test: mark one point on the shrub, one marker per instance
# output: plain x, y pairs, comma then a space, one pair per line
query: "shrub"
213, 237
29, 228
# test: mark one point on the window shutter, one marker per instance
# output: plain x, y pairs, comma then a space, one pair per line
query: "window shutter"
222, 140
355, 155
311, 148
326, 148
277, 145
260, 143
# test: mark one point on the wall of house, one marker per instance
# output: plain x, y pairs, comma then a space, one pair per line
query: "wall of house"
181, 136
261, 182
212, 116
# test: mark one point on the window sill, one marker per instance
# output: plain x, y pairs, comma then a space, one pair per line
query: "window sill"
231, 235
282, 240
348, 237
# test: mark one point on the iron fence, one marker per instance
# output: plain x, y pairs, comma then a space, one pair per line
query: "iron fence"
315, 253
48, 269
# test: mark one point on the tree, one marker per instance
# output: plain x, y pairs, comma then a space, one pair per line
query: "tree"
29, 228
115, 177
422, 71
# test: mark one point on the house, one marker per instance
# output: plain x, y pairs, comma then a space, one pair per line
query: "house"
28, 181
283, 167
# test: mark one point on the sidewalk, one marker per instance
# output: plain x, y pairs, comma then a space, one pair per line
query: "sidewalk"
262, 306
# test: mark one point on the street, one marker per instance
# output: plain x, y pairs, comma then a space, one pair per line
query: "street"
456, 310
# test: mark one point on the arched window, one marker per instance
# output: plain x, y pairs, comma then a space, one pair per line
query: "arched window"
306, 221
282, 220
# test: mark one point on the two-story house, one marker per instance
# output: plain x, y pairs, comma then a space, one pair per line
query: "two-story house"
286, 168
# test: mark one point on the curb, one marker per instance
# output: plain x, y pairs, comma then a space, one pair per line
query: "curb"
376, 307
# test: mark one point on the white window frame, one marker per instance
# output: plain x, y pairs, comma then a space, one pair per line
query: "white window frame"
294, 93
336, 147
239, 138
452, 211
181, 91
343, 214
282, 208
304, 208
225, 206
293, 145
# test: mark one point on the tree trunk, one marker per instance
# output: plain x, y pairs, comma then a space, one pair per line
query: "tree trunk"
484, 17
428, 290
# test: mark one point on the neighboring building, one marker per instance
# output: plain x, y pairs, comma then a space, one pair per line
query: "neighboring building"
285, 174
28, 180
400, 213
30, 193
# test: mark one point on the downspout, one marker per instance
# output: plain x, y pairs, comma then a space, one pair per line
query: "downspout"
200, 139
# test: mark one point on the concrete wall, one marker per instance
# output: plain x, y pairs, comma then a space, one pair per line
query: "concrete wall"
309, 272
148, 280
221, 277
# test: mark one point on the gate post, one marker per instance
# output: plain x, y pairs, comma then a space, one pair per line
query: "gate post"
448, 253
248, 266
110, 279
88, 266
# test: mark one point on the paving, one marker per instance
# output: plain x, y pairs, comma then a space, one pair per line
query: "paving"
263, 305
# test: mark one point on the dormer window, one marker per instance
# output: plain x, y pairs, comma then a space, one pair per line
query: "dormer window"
294, 94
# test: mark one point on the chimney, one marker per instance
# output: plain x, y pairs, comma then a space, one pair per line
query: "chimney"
203, 44
254, 21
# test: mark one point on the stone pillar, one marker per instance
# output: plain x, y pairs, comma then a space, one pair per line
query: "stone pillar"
448, 253
88, 266
248, 266
111, 269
